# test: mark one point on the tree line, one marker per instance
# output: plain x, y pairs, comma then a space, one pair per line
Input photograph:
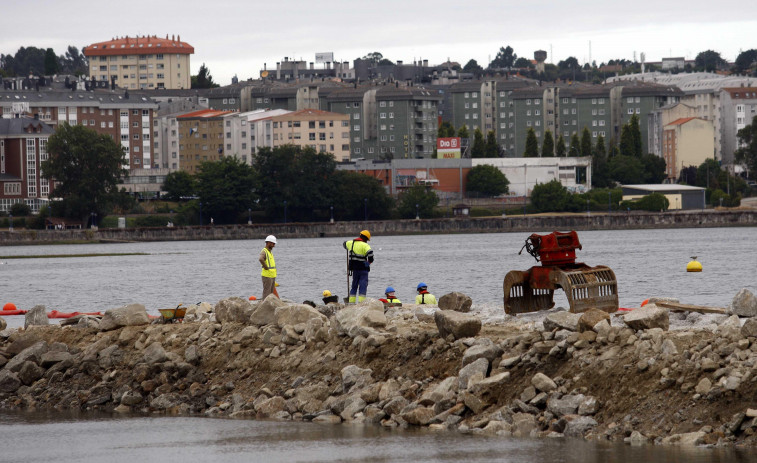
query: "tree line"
39, 61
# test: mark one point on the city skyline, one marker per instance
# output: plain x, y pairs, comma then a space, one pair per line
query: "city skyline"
226, 37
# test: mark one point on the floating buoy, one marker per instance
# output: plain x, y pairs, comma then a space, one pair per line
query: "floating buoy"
694, 265
253, 298
9, 306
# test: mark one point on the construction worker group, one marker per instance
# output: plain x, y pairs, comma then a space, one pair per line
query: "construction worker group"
359, 260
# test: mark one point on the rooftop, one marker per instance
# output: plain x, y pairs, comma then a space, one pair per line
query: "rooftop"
143, 45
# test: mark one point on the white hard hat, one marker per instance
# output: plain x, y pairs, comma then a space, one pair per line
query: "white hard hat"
271, 238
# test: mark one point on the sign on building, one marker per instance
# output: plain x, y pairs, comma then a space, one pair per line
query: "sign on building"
324, 57
448, 148
20, 107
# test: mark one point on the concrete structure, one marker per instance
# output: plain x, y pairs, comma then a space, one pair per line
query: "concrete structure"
201, 138
145, 62
145, 182
738, 109
23, 148
524, 173
321, 130
125, 116
679, 196
250, 131
659, 118
687, 142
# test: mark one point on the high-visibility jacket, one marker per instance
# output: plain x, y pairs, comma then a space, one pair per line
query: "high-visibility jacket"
271, 263
360, 254
425, 298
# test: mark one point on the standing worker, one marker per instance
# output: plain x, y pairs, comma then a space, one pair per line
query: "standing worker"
424, 297
359, 260
268, 264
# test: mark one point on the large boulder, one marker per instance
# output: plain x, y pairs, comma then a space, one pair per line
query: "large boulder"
129, 315
233, 310
36, 316
647, 317
458, 302
478, 368
543, 383
9, 381
354, 376
362, 318
589, 319
749, 328
32, 353
489, 351
3, 324
154, 353
295, 314
459, 325
744, 304
562, 320
265, 312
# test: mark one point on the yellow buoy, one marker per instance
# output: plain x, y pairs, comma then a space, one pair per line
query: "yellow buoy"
694, 265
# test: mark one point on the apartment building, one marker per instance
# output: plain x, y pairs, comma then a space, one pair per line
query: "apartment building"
247, 132
661, 117
201, 138
142, 62
23, 148
321, 130
738, 109
686, 142
128, 118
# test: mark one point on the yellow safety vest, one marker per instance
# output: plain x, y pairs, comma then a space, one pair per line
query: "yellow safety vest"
271, 262
425, 298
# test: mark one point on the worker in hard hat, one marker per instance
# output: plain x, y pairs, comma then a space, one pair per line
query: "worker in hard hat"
424, 297
359, 260
268, 264
328, 298
389, 298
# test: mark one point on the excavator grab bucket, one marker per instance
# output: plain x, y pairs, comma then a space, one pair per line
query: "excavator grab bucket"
520, 297
590, 287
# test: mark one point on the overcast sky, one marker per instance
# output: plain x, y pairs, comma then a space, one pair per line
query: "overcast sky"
239, 36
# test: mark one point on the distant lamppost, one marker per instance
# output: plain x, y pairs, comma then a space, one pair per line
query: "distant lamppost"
285, 211
93, 218
417, 212
365, 208
587, 207
249, 216
200, 213
721, 205
332, 213
10, 218
524, 207
609, 202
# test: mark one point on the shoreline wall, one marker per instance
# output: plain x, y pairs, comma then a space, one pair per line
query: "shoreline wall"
518, 223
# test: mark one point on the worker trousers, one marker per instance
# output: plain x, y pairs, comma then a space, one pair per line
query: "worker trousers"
359, 285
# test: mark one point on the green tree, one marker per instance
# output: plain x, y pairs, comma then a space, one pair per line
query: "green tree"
614, 150
709, 60
548, 145
474, 67
179, 184
627, 170
349, 192
491, 149
225, 188
636, 136
203, 79
73, 62
630, 138
51, 62
20, 210
296, 175
424, 197
446, 130
523, 63
463, 132
550, 197
651, 202
654, 168
575, 146
504, 59
87, 168
486, 180
479, 145
585, 142
600, 176
747, 154
532, 145
746, 61
560, 148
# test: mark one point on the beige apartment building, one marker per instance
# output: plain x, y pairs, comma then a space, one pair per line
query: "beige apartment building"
321, 130
201, 138
687, 142
145, 62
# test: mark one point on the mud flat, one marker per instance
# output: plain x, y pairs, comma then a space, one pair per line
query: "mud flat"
649, 376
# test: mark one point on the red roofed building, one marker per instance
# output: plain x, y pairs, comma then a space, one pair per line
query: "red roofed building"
201, 138
145, 62
687, 141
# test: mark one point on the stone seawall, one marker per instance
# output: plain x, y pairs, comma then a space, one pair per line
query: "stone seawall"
527, 224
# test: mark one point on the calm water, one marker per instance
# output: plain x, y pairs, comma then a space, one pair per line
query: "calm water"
37, 437
646, 263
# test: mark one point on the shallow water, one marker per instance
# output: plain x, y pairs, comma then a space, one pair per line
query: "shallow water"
646, 263
60, 437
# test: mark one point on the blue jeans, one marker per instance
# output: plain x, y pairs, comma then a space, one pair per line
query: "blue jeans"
359, 282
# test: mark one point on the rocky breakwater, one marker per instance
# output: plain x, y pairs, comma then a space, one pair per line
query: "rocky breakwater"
648, 376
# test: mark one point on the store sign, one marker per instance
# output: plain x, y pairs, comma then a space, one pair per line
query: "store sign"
448, 148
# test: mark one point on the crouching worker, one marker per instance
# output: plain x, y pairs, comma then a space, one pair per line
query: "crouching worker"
389, 298
424, 297
329, 299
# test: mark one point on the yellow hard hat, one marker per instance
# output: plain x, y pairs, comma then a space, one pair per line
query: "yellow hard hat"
366, 233
326, 293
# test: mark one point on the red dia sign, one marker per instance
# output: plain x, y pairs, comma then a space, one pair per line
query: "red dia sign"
448, 148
